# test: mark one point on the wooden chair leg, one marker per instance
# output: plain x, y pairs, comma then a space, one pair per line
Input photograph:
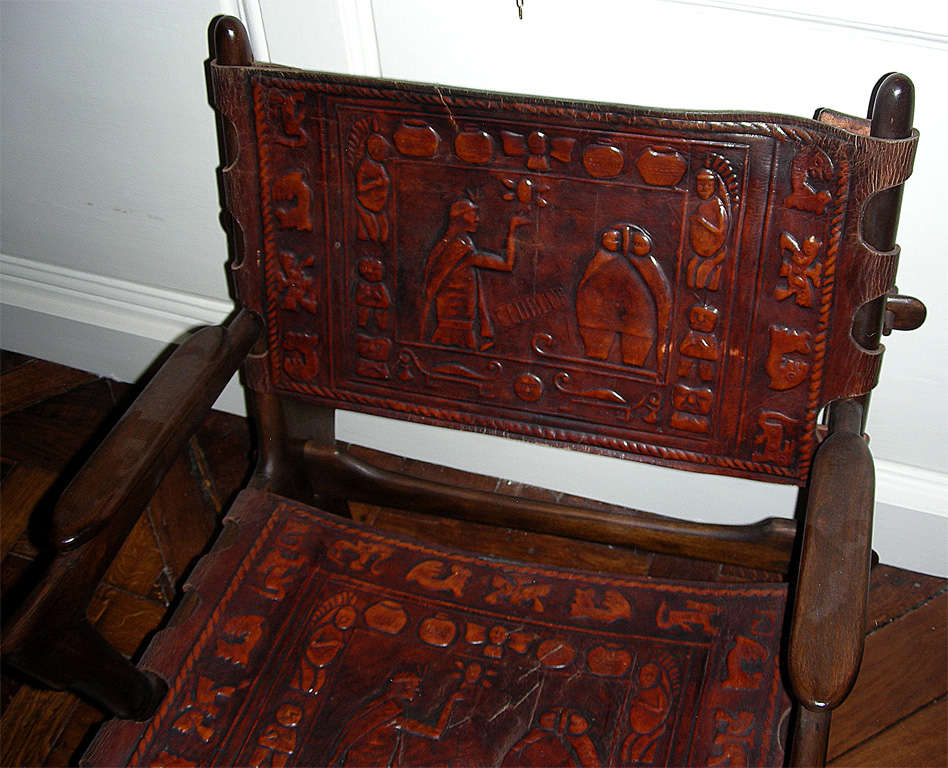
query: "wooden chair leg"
78, 658
810, 737
284, 427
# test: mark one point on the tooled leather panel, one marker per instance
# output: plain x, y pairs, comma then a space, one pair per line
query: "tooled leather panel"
338, 645
672, 287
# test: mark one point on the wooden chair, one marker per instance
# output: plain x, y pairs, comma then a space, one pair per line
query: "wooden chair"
686, 289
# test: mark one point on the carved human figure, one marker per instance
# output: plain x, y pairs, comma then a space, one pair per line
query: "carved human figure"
803, 275
454, 300
301, 359
560, 738
648, 715
374, 737
278, 742
299, 290
774, 441
372, 189
292, 199
372, 297
200, 709
623, 294
709, 227
733, 738
700, 348
812, 164
289, 108
788, 362
325, 643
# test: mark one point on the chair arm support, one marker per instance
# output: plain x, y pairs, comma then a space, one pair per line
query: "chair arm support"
127, 467
49, 637
828, 625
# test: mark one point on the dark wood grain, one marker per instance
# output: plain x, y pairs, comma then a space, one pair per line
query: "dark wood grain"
917, 740
895, 677
21, 380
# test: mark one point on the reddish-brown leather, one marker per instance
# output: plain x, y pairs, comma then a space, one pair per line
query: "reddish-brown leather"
317, 641
444, 256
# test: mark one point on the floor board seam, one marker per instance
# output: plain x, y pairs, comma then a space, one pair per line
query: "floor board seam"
906, 612
889, 727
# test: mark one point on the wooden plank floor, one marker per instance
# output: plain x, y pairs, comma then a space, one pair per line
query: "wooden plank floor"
897, 714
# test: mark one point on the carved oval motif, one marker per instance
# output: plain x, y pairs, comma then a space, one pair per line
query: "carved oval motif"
603, 161
528, 388
661, 166
438, 631
609, 661
386, 616
555, 653
416, 138
474, 147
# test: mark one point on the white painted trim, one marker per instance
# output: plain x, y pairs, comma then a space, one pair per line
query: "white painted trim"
902, 485
116, 328
841, 22
141, 310
99, 324
251, 15
359, 37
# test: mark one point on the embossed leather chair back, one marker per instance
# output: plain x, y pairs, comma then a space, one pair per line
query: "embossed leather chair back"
686, 289
673, 287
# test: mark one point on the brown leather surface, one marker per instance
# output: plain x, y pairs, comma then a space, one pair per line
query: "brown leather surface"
673, 287
335, 644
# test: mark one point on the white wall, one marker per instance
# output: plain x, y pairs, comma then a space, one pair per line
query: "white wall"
109, 234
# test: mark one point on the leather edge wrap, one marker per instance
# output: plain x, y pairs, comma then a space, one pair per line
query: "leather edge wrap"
239, 180
865, 273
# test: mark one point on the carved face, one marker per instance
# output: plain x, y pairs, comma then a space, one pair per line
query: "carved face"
649, 675
371, 270
610, 240
289, 715
345, 617
577, 724
704, 184
377, 147
471, 219
406, 687
472, 672
641, 245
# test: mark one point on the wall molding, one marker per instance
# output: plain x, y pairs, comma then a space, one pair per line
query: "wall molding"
116, 328
251, 14
791, 12
139, 310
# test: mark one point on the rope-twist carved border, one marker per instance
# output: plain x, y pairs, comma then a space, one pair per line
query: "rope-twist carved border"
284, 510
837, 224
174, 689
554, 434
270, 265
779, 131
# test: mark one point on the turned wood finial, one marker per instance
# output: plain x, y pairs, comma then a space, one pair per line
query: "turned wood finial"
231, 43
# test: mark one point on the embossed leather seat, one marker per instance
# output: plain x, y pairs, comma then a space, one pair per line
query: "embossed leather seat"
684, 289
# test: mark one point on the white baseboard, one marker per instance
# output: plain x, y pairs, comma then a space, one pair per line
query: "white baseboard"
115, 328
99, 324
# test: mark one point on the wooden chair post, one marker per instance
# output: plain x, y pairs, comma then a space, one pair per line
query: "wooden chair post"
828, 629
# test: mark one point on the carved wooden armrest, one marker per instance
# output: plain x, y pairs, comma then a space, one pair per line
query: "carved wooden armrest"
49, 637
123, 473
828, 626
